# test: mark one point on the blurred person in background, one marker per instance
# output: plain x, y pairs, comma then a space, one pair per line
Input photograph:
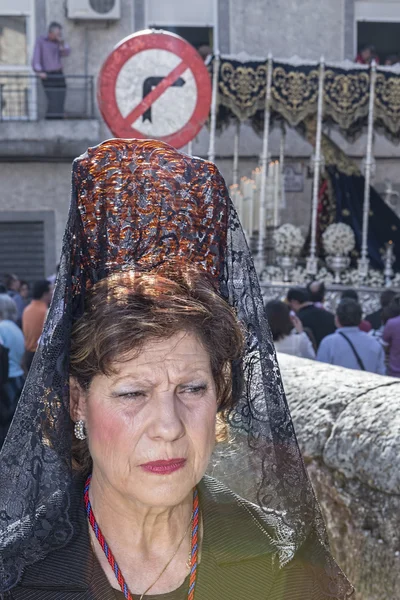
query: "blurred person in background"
205, 52
47, 63
13, 285
367, 54
33, 318
351, 294
287, 331
391, 60
391, 336
317, 290
319, 321
12, 339
350, 347
25, 292
375, 318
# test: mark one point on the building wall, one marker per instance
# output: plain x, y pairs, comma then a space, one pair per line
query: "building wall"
38, 186
307, 28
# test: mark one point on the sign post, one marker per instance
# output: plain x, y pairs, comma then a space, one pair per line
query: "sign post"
155, 85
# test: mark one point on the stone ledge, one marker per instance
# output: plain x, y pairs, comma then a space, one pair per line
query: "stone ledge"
51, 139
346, 418
348, 427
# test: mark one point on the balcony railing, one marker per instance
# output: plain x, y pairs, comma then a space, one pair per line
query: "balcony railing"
26, 97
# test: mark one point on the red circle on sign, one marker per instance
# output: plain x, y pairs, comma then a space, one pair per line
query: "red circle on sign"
190, 59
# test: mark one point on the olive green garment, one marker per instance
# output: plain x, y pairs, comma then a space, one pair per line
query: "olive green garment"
237, 560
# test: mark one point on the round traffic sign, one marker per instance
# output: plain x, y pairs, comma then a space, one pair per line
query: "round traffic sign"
154, 84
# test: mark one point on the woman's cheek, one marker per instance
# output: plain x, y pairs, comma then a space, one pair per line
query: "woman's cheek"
107, 424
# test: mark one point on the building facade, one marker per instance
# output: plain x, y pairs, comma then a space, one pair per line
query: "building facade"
36, 153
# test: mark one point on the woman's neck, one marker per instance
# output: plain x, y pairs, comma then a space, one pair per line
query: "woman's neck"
142, 538
145, 527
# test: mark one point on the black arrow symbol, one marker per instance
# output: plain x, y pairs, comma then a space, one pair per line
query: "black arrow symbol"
149, 84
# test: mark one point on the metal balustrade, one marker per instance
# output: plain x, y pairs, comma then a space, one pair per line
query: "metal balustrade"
26, 97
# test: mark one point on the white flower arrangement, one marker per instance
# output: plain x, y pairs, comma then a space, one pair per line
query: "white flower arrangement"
288, 240
375, 278
271, 273
338, 239
325, 276
396, 281
350, 278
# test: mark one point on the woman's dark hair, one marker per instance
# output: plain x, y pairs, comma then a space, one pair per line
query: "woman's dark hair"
349, 295
349, 313
129, 309
40, 288
278, 316
298, 294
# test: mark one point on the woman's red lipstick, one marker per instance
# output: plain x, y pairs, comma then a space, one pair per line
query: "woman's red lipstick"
164, 467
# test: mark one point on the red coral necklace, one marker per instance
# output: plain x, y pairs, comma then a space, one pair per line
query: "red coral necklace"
113, 563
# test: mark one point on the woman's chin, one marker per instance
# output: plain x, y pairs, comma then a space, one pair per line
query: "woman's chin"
161, 490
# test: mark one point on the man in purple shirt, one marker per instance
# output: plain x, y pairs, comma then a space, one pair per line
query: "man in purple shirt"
46, 62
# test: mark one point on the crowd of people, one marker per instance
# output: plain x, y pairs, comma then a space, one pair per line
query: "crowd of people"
22, 315
303, 326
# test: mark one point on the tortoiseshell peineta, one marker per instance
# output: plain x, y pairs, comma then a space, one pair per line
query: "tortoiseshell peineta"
143, 204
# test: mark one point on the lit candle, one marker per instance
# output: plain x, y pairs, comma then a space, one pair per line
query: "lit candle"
257, 175
250, 202
270, 192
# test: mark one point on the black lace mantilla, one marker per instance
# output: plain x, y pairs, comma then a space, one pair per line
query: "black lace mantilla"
126, 196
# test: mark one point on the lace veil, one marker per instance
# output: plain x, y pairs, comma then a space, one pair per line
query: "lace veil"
134, 205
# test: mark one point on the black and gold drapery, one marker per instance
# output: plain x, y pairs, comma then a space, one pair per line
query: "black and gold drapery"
387, 104
294, 95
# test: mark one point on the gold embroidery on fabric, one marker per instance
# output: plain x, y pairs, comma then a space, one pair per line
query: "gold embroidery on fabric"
387, 103
346, 97
242, 88
294, 94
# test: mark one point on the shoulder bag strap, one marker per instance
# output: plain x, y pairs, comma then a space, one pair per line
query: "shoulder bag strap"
360, 362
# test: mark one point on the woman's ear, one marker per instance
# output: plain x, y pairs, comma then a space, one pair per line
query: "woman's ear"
77, 400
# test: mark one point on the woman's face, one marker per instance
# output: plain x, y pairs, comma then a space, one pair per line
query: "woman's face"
159, 406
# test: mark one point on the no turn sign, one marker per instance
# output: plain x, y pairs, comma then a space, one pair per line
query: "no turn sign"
154, 84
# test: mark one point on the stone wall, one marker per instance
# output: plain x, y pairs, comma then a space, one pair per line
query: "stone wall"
348, 428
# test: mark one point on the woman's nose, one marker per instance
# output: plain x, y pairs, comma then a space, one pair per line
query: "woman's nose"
166, 419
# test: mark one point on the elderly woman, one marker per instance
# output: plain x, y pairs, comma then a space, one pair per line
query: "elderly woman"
155, 347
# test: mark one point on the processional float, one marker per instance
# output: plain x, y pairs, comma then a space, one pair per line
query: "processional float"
304, 95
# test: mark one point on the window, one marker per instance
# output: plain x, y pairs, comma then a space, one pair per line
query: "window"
197, 36
193, 21
17, 86
378, 25
13, 40
383, 36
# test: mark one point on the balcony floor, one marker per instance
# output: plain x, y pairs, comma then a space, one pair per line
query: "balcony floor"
56, 139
